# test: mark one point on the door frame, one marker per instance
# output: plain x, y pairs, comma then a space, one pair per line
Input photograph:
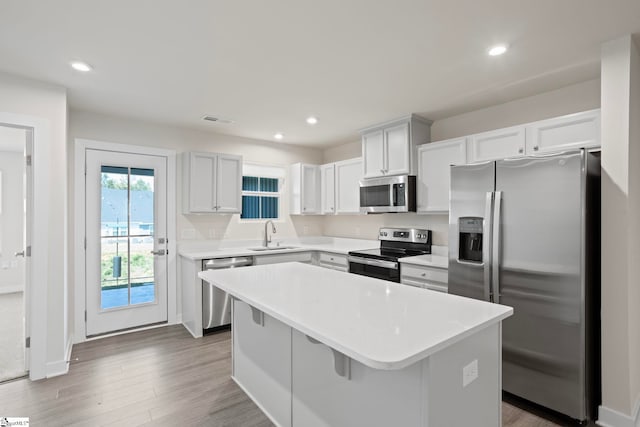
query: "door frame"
81, 145
38, 133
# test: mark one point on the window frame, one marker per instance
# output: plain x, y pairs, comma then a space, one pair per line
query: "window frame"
264, 171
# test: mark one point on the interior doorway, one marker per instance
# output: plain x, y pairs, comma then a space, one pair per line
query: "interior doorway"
15, 214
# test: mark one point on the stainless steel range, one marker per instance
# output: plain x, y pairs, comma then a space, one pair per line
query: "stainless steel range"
395, 243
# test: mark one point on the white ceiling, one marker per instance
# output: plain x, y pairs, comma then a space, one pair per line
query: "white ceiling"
268, 64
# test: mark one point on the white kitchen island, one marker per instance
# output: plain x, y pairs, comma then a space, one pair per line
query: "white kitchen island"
318, 347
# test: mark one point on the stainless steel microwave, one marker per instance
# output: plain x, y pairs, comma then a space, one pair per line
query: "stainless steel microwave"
388, 194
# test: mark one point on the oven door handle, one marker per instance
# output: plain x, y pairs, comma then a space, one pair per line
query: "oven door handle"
373, 262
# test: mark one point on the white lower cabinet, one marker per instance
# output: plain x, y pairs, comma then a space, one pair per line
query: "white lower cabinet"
278, 258
262, 360
432, 278
365, 397
333, 261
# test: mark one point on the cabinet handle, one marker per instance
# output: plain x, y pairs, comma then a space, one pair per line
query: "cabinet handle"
520, 150
331, 258
535, 148
424, 274
382, 170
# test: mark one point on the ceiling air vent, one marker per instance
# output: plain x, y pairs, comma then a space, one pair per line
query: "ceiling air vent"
217, 119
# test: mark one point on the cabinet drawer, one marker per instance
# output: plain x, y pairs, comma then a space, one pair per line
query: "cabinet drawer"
424, 274
333, 260
278, 258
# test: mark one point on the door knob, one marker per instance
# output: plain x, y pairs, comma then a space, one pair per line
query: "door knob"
19, 254
158, 252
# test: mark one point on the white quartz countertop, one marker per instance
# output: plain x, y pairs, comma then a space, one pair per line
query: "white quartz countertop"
426, 261
384, 325
202, 250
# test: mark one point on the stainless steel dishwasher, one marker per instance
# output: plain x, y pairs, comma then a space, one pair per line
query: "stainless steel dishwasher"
216, 305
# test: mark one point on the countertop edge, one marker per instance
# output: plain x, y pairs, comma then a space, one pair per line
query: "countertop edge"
372, 363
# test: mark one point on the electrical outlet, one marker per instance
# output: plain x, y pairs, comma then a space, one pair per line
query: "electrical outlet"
305, 230
470, 373
212, 233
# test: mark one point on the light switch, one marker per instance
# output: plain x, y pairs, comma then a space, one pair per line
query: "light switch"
469, 373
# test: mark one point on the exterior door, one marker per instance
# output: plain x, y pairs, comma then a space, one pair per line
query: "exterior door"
15, 249
126, 229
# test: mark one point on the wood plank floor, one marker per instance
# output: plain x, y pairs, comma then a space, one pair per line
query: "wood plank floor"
158, 377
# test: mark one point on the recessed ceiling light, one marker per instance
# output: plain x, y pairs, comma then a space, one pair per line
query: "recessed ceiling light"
497, 50
278, 136
81, 66
312, 120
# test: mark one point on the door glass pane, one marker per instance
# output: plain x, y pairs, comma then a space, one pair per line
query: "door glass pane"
127, 264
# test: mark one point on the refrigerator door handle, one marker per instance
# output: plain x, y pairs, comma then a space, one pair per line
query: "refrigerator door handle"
486, 250
495, 247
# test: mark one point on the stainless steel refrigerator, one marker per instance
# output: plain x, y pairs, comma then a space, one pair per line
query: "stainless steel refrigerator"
525, 233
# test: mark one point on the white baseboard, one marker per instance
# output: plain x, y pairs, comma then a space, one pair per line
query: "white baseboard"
60, 367
611, 418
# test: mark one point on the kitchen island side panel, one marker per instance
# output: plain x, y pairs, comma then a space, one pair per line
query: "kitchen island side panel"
463, 382
262, 361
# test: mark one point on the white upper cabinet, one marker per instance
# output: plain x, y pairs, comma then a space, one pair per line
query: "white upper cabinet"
389, 149
398, 150
348, 176
212, 183
373, 149
229, 184
328, 188
566, 132
434, 175
340, 189
305, 189
497, 144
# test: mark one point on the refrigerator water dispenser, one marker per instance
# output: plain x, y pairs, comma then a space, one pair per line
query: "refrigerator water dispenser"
470, 239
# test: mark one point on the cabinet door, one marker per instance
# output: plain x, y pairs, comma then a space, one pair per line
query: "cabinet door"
202, 177
348, 176
434, 175
328, 189
566, 132
229, 184
497, 144
397, 150
310, 189
373, 154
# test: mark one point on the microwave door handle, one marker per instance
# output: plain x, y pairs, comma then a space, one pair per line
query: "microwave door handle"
486, 245
394, 194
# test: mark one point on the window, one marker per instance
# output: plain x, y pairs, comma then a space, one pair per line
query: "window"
260, 197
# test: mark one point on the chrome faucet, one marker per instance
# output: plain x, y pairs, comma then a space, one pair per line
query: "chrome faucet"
267, 240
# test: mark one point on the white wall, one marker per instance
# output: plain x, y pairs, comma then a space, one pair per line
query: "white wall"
620, 232
571, 99
126, 131
93, 126
11, 220
48, 104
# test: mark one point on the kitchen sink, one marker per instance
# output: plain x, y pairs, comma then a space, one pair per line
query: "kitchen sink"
271, 248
